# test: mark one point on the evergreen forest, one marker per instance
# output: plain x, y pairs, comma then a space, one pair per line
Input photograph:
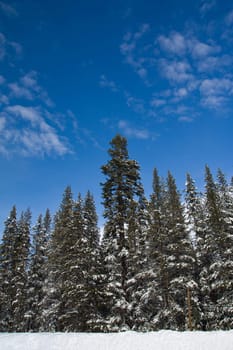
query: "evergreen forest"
163, 262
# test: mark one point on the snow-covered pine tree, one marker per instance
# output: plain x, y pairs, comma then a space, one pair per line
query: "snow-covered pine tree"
138, 273
7, 265
56, 313
13, 271
20, 271
73, 317
149, 292
93, 289
225, 280
37, 275
74, 267
180, 286
195, 221
121, 188
212, 251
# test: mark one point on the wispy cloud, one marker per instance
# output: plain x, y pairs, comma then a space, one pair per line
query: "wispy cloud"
185, 119
128, 49
136, 104
134, 132
215, 63
18, 91
176, 71
181, 45
104, 82
2, 46
25, 131
201, 50
28, 88
206, 6
7, 48
2, 80
174, 43
229, 18
127, 13
216, 92
8, 10
194, 69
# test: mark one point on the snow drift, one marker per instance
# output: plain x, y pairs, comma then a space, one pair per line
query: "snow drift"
162, 340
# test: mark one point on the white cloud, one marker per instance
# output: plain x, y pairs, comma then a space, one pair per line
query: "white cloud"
6, 47
216, 86
128, 49
143, 29
104, 82
2, 123
73, 118
216, 92
185, 119
17, 47
142, 72
18, 91
229, 18
182, 92
4, 99
2, 46
213, 63
206, 6
176, 71
157, 102
29, 80
27, 132
175, 43
29, 89
2, 80
9, 10
180, 45
201, 50
133, 132
136, 104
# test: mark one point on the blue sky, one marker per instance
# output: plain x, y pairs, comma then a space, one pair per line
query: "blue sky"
75, 73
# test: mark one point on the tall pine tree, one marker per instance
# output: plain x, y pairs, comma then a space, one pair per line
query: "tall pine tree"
121, 189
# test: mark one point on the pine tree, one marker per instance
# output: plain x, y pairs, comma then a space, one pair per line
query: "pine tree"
73, 264
212, 251
150, 294
195, 220
121, 188
37, 274
225, 280
57, 262
94, 298
73, 317
178, 264
7, 272
20, 268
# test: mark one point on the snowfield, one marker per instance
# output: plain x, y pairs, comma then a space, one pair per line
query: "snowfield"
162, 340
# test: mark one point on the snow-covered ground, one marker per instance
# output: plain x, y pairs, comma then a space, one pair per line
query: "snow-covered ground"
162, 340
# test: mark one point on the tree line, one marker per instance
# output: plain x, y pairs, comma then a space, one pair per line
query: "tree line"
162, 263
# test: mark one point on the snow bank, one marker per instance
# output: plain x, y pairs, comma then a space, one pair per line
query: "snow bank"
162, 340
